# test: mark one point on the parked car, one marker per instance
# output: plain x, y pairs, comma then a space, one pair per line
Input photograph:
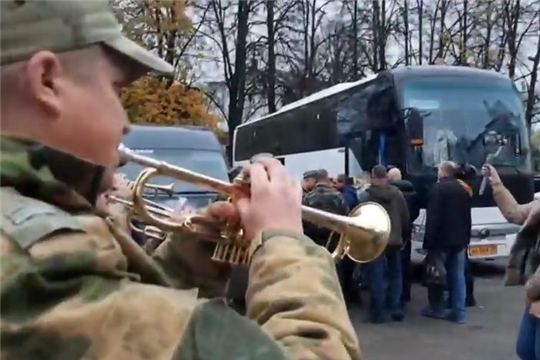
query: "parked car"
491, 236
192, 147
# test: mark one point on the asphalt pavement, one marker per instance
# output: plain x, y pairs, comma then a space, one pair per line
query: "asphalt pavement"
489, 333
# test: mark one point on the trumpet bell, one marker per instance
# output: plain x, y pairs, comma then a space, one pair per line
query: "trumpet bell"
365, 234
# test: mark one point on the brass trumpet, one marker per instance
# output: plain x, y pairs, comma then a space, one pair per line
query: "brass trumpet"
150, 231
155, 208
363, 234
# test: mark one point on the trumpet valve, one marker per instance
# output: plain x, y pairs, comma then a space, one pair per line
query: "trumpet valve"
234, 249
231, 254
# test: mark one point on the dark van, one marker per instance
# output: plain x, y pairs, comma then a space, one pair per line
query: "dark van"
190, 147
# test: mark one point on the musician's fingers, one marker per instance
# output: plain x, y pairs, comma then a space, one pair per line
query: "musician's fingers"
223, 212
258, 177
207, 226
204, 233
275, 170
209, 222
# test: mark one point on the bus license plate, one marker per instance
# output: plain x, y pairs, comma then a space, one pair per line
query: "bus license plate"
485, 250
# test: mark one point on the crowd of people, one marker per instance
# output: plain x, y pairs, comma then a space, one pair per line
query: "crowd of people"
389, 276
447, 274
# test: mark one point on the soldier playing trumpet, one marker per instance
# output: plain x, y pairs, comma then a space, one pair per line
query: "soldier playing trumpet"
73, 285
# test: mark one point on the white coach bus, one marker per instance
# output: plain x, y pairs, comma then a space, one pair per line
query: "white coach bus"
410, 117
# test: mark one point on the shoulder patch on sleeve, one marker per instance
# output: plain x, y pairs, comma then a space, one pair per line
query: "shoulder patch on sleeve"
26, 221
222, 334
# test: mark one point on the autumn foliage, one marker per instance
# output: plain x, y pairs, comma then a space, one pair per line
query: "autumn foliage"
163, 27
153, 100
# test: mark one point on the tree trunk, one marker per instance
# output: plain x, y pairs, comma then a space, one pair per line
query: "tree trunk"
271, 73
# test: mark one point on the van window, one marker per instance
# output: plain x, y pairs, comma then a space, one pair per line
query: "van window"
207, 162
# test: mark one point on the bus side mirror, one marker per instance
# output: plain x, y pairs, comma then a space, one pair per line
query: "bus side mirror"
414, 122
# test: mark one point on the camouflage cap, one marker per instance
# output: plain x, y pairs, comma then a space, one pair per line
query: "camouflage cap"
29, 26
310, 174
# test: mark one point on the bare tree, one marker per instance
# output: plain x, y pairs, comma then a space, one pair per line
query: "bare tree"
303, 54
532, 92
514, 13
271, 72
162, 27
277, 51
406, 34
219, 30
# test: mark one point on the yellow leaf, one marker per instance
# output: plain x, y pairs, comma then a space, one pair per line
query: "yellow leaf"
151, 100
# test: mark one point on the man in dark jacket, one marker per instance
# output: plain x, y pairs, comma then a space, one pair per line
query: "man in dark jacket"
447, 235
382, 300
408, 191
346, 267
324, 197
346, 189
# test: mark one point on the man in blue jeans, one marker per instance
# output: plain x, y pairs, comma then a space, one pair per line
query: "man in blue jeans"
447, 236
386, 295
528, 341
454, 264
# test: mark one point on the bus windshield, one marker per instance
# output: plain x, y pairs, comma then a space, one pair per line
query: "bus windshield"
458, 115
206, 162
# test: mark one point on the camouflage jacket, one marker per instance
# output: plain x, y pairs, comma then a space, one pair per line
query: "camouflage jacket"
70, 289
323, 197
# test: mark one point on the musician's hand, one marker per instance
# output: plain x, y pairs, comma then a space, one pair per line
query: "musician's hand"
223, 212
528, 302
191, 251
276, 199
211, 220
491, 173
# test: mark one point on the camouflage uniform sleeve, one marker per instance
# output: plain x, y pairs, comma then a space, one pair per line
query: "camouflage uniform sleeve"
309, 318
69, 297
188, 264
80, 303
297, 319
